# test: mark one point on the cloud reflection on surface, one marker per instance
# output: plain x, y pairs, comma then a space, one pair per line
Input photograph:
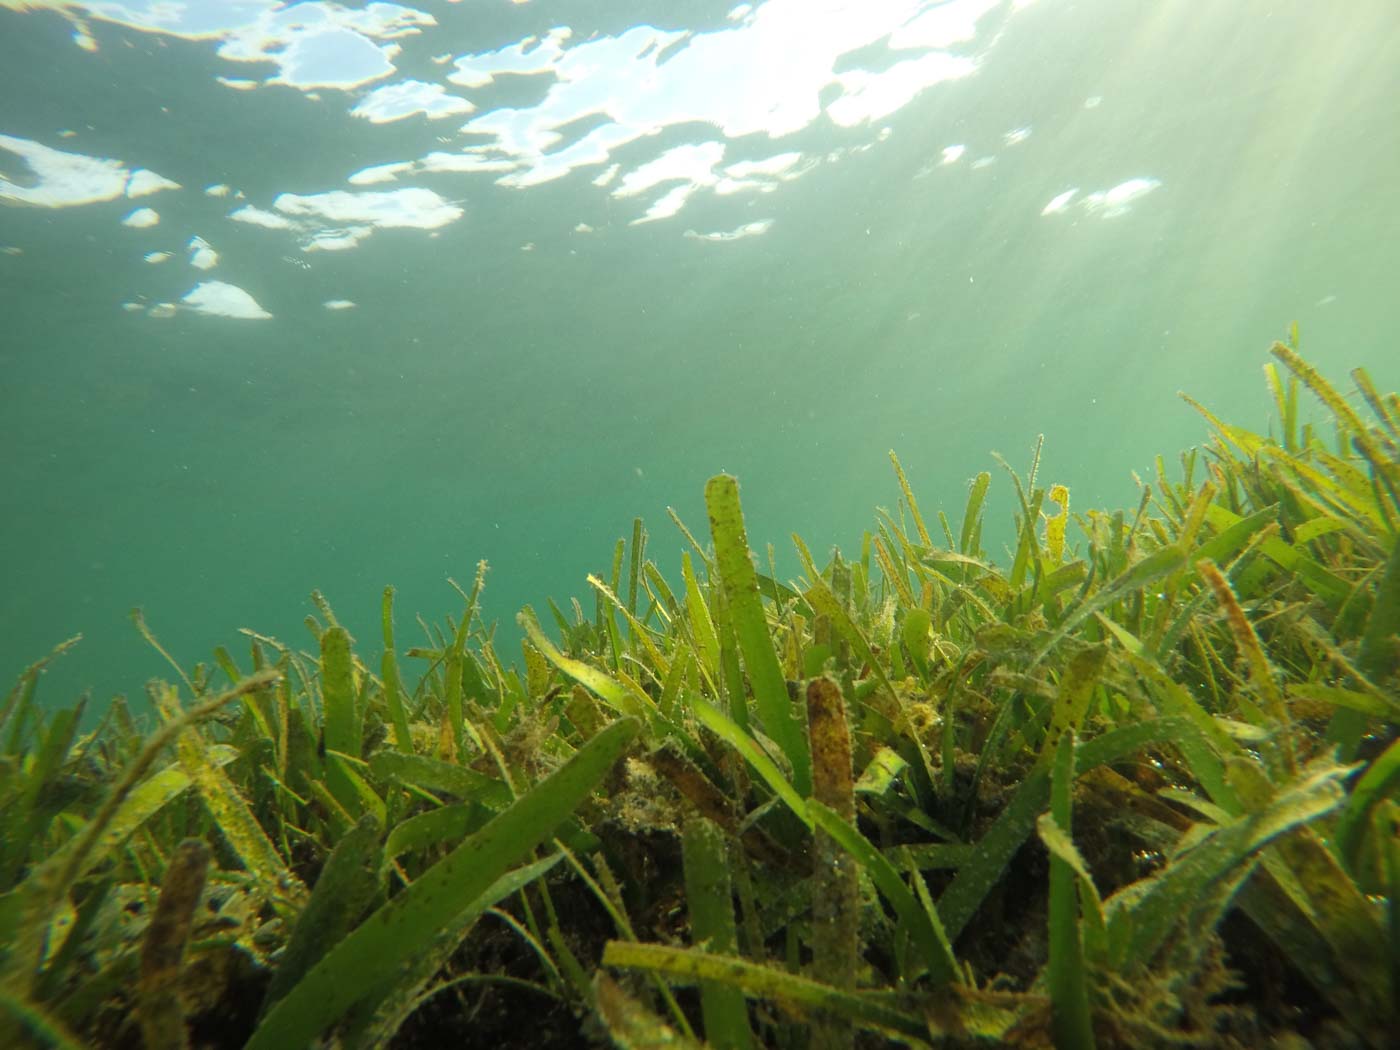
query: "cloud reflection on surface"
658, 117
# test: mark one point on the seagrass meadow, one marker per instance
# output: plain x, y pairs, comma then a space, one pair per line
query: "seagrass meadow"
1132, 784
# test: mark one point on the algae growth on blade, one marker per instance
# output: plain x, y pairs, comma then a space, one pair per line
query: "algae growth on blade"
1131, 782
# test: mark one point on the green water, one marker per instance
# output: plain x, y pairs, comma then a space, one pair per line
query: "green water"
516, 383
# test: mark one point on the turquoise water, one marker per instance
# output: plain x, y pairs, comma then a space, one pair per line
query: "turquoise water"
325, 296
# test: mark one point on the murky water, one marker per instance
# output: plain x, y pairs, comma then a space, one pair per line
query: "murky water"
324, 295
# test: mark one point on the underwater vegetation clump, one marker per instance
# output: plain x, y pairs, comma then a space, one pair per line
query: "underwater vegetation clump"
1140, 787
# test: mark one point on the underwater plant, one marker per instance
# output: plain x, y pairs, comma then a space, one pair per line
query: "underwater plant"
1138, 786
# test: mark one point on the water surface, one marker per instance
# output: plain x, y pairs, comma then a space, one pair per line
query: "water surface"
323, 295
